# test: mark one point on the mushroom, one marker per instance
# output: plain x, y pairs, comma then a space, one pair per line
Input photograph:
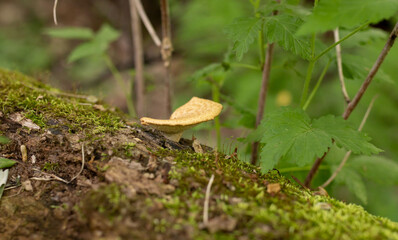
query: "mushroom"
196, 111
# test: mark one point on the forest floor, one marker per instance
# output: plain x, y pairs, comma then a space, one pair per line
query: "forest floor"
88, 174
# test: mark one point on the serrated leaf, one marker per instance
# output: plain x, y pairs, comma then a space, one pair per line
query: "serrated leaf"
345, 136
353, 181
330, 14
6, 163
206, 71
70, 33
291, 135
243, 32
281, 29
4, 140
376, 168
86, 50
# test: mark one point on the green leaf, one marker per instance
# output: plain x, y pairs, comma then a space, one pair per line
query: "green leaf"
70, 33
4, 140
353, 181
289, 134
345, 136
6, 163
106, 35
86, 50
206, 71
282, 30
376, 168
330, 14
243, 32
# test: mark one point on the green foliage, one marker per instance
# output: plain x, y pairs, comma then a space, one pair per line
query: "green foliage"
376, 168
70, 33
96, 45
289, 134
243, 32
282, 30
354, 182
330, 14
6, 163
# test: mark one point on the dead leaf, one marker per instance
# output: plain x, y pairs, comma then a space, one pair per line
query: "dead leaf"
27, 185
25, 122
196, 146
273, 188
222, 223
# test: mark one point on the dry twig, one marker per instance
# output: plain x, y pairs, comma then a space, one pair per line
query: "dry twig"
55, 12
206, 204
147, 23
340, 65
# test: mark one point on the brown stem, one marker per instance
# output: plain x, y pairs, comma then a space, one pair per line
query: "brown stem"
263, 96
314, 170
139, 85
390, 42
166, 51
351, 106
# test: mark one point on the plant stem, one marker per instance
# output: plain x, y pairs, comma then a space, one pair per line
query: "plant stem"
300, 169
147, 23
262, 97
318, 83
314, 169
166, 51
139, 85
55, 12
216, 98
261, 46
390, 42
351, 106
120, 81
307, 81
340, 41
347, 155
248, 66
340, 65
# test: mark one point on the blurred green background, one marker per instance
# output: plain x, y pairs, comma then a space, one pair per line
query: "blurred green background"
199, 40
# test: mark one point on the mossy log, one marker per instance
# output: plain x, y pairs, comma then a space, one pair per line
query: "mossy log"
136, 184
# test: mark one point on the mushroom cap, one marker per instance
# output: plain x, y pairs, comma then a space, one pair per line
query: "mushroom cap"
195, 111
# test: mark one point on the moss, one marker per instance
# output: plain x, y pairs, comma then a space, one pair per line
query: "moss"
36, 100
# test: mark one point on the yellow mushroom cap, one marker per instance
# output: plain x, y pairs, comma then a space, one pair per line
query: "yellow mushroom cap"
196, 111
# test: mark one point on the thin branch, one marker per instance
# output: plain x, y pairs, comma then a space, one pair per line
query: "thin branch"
262, 97
55, 12
207, 199
347, 155
351, 106
314, 169
139, 85
147, 23
340, 65
390, 42
166, 51
82, 167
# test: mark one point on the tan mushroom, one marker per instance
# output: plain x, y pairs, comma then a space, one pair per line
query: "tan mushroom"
196, 111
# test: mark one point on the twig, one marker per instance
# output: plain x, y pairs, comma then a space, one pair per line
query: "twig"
262, 97
147, 23
166, 51
347, 155
206, 204
314, 169
351, 106
340, 65
81, 169
55, 12
300, 183
138, 87
390, 42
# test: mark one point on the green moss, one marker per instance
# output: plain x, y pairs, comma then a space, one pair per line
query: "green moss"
41, 104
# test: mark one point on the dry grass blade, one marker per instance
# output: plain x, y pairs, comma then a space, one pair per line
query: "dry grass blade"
207, 199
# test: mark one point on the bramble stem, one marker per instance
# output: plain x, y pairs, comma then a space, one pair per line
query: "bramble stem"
244, 65
390, 42
216, 98
307, 81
